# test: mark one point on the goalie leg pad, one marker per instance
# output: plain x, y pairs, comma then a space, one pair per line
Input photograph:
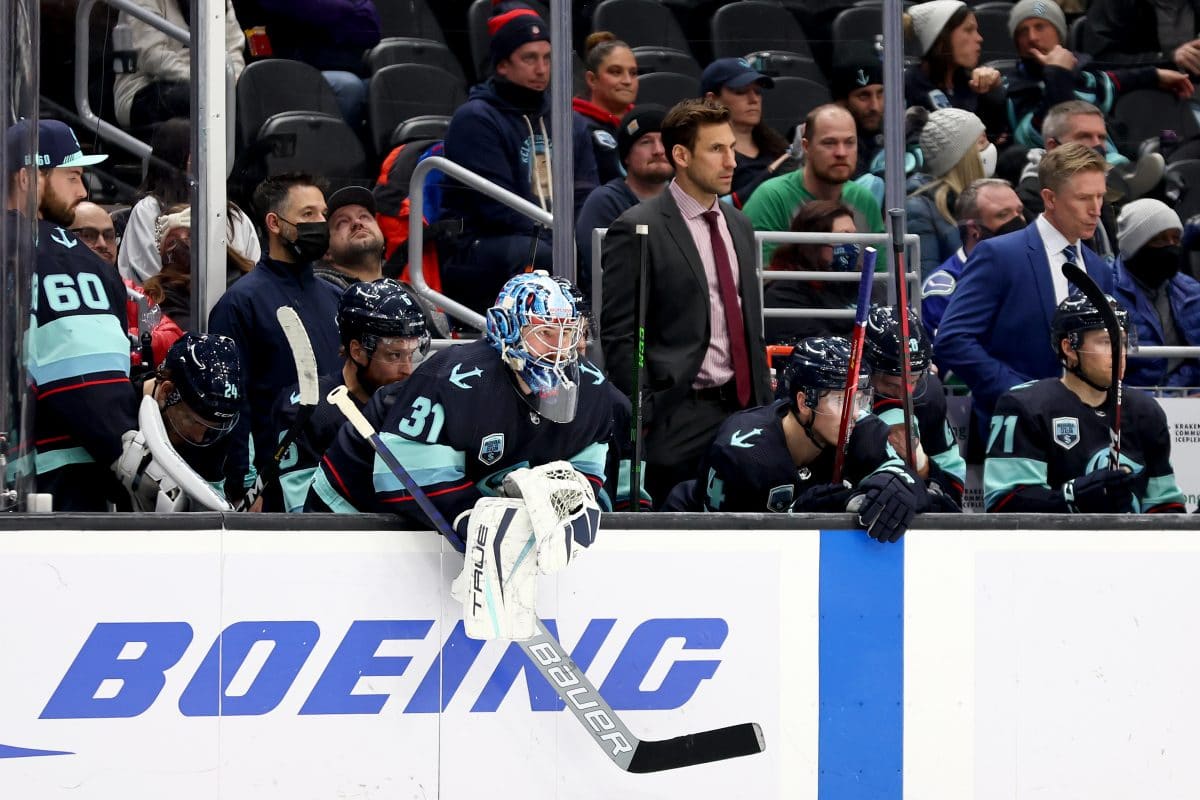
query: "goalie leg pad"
498, 583
562, 509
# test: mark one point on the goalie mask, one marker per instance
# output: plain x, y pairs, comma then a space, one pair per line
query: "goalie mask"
206, 372
536, 328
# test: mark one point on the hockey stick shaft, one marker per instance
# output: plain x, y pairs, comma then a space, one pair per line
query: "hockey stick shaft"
640, 290
1092, 291
856, 347
558, 669
901, 272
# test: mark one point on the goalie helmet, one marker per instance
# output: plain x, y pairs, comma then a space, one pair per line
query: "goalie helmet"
536, 326
206, 372
381, 309
881, 346
1075, 316
817, 365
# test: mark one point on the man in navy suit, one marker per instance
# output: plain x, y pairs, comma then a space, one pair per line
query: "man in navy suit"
993, 334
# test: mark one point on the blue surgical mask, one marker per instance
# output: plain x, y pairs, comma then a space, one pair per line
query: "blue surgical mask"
845, 257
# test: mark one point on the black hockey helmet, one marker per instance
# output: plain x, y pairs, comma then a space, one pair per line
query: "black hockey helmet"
378, 310
881, 347
816, 365
1076, 315
206, 371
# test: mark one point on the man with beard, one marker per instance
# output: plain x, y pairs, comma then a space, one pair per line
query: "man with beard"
830, 154
78, 351
647, 172
856, 84
94, 227
293, 209
988, 207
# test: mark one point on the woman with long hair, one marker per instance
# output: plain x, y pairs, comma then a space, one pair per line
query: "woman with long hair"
612, 79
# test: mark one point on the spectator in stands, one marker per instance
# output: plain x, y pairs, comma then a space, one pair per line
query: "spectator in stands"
992, 333
502, 133
331, 35
166, 184
612, 79
951, 144
160, 87
647, 172
1047, 73
987, 208
293, 209
856, 84
819, 216
1128, 32
830, 146
761, 151
949, 74
94, 227
704, 354
171, 287
1163, 305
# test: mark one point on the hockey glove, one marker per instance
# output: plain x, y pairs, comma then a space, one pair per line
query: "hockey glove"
822, 498
940, 502
886, 505
1105, 491
562, 509
498, 582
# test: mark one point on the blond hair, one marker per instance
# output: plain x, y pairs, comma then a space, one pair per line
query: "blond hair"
1063, 162
968, 170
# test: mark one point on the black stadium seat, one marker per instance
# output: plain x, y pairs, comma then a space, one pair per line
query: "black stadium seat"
319, 144
406, 50
1185, 197
639, 23
1146, 113
789, 102
409, 18
667, 88
858, 24
426, 126
785, 65
754, 25
665, 59
275, 85
993, 27
403, 91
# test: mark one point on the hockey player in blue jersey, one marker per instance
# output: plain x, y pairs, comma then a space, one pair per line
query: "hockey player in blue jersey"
938, 460
1048, 445
779, 457
384, 339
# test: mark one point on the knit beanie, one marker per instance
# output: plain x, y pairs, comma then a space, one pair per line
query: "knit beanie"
949, 135
637, 123
513, 28
928, 19
1042, 9
1142, 220
854, 66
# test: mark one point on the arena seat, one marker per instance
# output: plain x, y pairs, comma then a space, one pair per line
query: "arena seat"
276, 85
790, 101
1145, 114
412, 18
425, 126
751, 25
993, 27
640, 22
786, 65
667, 88
403, 91
407, 50
319, 144
665, 59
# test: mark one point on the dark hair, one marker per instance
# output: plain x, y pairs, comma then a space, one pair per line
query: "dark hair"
598, 46
768, 141
683, 121
166, 172
940, 58
271, 194
816, 216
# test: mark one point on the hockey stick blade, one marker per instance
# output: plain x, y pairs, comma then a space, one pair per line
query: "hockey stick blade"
558, 669
1092, 291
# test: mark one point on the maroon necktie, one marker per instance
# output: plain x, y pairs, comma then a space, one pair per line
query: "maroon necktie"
733, 311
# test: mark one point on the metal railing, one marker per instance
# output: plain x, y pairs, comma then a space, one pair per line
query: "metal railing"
111, 132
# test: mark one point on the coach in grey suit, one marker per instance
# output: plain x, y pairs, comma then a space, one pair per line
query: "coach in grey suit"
704, 354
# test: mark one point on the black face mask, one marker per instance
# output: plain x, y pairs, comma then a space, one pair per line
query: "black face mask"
1154, 266
1013, 225
311, 242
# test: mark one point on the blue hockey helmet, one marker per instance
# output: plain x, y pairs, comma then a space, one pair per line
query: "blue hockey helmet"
536, 326
881, 346
206, 372
817, 365
381, 309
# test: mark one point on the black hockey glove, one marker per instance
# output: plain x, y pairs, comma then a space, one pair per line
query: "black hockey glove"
887, 506
1105, 491
940, 502
823, 497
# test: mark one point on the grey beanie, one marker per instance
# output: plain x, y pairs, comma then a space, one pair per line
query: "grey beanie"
949, 135
1142, 220
928, 20
1044, 9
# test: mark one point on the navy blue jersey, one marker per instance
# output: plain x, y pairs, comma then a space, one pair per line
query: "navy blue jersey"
300, 461
78, 360
458, 425
749, 468
1042, 435
947, 469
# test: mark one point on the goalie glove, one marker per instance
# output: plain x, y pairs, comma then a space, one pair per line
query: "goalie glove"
562, 509
498, 582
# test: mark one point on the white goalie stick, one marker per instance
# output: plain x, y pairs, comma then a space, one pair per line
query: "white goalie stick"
306, 375
557, 667
185, 479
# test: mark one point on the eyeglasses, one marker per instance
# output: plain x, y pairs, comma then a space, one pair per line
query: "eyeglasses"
91, 235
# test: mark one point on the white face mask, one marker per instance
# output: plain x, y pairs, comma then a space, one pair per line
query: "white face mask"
988, 156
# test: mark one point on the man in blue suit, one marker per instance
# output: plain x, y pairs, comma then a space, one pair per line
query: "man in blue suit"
993, 334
